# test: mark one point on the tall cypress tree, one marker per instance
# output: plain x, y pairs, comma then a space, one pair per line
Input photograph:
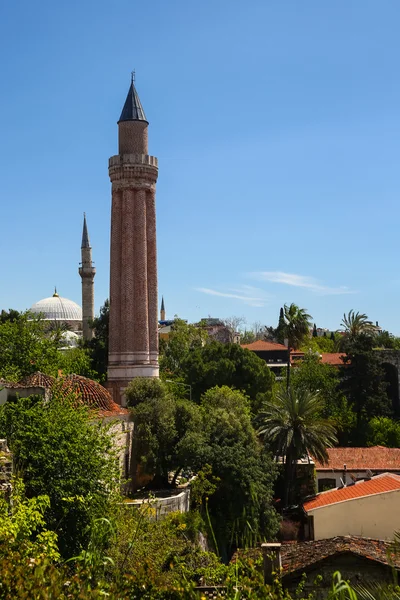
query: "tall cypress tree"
314, 331
281, 329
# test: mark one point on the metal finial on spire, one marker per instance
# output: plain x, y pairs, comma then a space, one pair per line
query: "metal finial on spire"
55, 295
133, 109
133, 76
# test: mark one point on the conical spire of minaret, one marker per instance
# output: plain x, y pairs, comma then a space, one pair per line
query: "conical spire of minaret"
162, 303
85, 235
133, 110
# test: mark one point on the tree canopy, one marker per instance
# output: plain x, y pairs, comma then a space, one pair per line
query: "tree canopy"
59, 452
25, 347
293, 428
217, 364
297, 325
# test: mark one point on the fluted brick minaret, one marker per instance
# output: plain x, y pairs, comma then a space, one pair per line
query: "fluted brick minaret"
87, 272
133, 337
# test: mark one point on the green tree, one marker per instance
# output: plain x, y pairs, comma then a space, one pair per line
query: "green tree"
297, 325
387, 341
314, 332
292, 427
167, 436
26, 347
98, 345
23, 526
240, 508
60, 452
145, 388
182, 340
10, 315
280, 332
217, 364
318, 345
353, 325
247, 337
314, 376
363, 384
383, 431
78, 361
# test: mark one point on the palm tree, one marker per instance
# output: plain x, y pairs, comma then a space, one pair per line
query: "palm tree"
292, 428
298, 324
297, 327
354, 324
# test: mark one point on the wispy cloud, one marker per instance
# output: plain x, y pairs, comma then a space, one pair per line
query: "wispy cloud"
247, 294
302, 281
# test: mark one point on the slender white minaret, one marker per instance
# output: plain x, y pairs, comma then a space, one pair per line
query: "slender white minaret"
87, 272
162, 311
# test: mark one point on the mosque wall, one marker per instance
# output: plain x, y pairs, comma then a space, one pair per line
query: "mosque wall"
121, 430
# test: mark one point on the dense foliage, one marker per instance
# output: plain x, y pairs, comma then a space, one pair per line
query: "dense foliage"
25, 347
173, 434
293, 428
59, 452
229, 365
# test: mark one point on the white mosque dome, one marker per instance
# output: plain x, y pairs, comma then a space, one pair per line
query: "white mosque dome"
57, 308
70, 339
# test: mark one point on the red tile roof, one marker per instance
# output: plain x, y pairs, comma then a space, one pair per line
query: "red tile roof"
91, 394
376, 458
298, 556
386, 482
263, 346
332, 358
86, 391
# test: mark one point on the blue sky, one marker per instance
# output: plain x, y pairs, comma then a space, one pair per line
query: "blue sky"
277, 129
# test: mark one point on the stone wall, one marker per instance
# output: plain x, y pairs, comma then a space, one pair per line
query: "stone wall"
120, 430
5, 468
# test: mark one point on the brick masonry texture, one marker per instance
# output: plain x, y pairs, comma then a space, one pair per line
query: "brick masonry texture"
133, 337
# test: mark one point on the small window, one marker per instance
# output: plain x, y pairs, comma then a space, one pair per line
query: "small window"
327, 483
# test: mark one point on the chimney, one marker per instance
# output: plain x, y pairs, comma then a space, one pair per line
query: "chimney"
272, 562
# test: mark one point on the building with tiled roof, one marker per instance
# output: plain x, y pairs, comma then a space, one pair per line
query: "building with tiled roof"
358, 559
91, 394
349, 464
265, 346
274, 354
366, 508
84, 392
332, 358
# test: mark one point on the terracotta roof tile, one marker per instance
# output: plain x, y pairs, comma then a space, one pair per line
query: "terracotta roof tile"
261, 345
92, 394
298, 556
86, 391
332, 358
386, 482
37, 379
376, 458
